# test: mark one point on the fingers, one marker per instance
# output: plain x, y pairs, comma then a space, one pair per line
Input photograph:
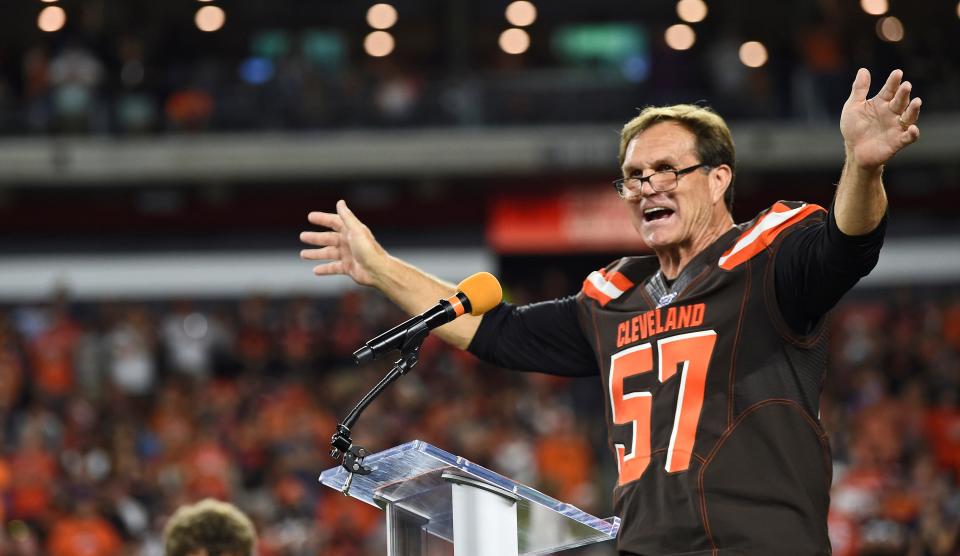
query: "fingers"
346, 215
326, 219
901, 98
911, 134
342, 222
320, 238
909, 121
335, 221
335, 267
320, 254
889, 89
861, 85
912, 113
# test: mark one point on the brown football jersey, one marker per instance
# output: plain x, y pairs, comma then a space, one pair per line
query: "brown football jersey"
711, 394
712, 401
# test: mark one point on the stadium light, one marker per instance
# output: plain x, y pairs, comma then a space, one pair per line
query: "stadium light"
753, 54
691, 11
521, 13
514, 41
874, 7
381, 16
379, 44
890, 29
210, 18
51, 19
680, 36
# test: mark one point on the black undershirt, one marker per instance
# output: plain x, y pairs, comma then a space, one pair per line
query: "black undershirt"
817, 265
814, 268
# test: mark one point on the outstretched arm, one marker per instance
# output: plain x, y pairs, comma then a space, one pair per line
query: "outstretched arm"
818, 264
351, 249
873, 131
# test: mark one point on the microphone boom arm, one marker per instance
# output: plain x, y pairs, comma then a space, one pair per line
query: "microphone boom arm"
341, 442
476, 295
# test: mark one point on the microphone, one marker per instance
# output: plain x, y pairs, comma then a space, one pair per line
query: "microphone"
475, 295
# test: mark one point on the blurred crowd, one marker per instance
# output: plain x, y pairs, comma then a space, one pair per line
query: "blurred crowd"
113, 414
891, 408
102, 80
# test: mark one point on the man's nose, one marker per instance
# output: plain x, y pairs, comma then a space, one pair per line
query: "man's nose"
646, 189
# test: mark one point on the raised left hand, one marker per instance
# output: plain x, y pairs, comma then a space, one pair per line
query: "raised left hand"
875, 129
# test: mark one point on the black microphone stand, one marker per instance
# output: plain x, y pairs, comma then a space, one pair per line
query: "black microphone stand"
341, 442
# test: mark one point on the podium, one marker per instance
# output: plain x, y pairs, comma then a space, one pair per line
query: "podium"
433, 498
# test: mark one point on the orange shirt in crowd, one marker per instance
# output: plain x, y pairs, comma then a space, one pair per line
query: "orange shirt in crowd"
52, 356
340, 513
564, 462
11, 375
83, 536
943, 433
209, 470
30, 495
951, 325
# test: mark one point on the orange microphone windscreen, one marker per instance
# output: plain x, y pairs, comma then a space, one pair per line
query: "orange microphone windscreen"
483, 290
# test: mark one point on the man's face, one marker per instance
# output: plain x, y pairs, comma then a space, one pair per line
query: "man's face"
689, 207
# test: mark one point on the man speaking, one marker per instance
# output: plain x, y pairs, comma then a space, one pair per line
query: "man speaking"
712, 351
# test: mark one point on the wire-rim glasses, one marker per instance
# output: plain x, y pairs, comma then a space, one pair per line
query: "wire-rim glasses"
662, 181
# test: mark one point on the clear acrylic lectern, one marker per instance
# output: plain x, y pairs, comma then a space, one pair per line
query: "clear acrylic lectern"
426, 491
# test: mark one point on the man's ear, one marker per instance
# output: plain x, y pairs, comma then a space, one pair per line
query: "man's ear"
720, 179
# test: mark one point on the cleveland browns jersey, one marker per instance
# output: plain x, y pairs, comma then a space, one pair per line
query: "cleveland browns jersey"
711, 392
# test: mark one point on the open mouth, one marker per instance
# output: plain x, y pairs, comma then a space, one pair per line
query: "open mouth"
656, 213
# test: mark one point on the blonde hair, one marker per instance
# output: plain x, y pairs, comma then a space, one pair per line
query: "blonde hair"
714, 142
218, 527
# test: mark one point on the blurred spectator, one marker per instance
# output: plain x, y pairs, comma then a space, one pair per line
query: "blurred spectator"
189, 110
36, 470
36, 84
565, 458
130, 344
136, 109
301, 330
943, 431
75, 75
52, 353
821, 75
84, 532
20, 540
254, 336
11, 366
190, 340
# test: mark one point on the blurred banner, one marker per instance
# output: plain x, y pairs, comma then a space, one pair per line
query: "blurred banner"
578, 219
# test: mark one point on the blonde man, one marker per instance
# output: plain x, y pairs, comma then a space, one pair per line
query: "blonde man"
209, 528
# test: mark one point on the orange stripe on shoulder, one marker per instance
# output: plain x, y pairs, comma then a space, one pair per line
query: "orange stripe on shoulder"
759, 236
621, 282
605, 286
593, 292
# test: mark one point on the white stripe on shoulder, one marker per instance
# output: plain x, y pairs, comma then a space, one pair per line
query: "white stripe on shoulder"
769, 221
606, 287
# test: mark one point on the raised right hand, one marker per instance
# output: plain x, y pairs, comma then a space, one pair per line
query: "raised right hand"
349, 246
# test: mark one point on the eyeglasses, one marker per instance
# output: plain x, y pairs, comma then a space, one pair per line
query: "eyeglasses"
662, 181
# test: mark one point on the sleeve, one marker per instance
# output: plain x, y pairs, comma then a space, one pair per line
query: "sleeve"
544, 337
816, 265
